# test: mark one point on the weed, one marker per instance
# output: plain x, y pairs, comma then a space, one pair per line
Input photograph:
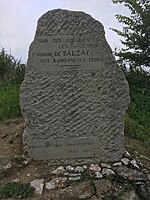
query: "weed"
16, 190
19, 159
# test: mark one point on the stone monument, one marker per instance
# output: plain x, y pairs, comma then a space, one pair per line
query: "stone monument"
74, 95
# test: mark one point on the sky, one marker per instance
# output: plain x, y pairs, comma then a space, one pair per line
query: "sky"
18, 20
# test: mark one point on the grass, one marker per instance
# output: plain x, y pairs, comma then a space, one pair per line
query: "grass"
9, 100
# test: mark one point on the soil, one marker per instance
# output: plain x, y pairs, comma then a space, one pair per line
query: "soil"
11, 145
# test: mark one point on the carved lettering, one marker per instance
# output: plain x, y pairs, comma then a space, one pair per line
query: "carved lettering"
66, 148
66, 53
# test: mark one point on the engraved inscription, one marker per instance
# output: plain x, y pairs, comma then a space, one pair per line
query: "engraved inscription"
63, 148
66, 53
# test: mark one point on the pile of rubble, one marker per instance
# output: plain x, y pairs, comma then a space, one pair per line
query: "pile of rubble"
119, 176
126, 178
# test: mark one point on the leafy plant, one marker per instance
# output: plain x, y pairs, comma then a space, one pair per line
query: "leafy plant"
135, 33
137, 119
16, 190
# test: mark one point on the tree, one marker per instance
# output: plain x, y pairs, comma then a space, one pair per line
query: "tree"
136, 34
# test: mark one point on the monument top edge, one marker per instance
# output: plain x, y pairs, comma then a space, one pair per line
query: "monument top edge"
70, 12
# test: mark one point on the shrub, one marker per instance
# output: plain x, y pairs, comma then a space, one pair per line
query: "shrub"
134, 130
11, 76
11, 69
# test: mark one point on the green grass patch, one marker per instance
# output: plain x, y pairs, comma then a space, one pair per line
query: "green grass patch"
9, 100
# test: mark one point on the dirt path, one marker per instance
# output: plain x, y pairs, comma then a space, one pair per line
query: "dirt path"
11, 145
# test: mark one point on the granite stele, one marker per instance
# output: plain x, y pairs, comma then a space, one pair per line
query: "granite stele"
74, 95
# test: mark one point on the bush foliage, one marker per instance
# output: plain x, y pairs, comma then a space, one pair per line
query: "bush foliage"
135, 34
137, 120
11, 76
11, 69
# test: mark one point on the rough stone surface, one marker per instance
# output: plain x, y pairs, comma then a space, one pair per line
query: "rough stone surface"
102, 186
76, 191
74, 94
130, 195
131, 174
144, 191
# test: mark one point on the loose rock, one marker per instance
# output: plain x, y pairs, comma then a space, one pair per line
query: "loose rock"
85, 167
105, 165
117, 164
127, 155
76, 178
125, 161
79, 169
70, 168
98, 175
59, 170
56, 183
75, 174
134, 164
95, 167
131, 174
16, 180
107, 172
5, 164
38, 184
